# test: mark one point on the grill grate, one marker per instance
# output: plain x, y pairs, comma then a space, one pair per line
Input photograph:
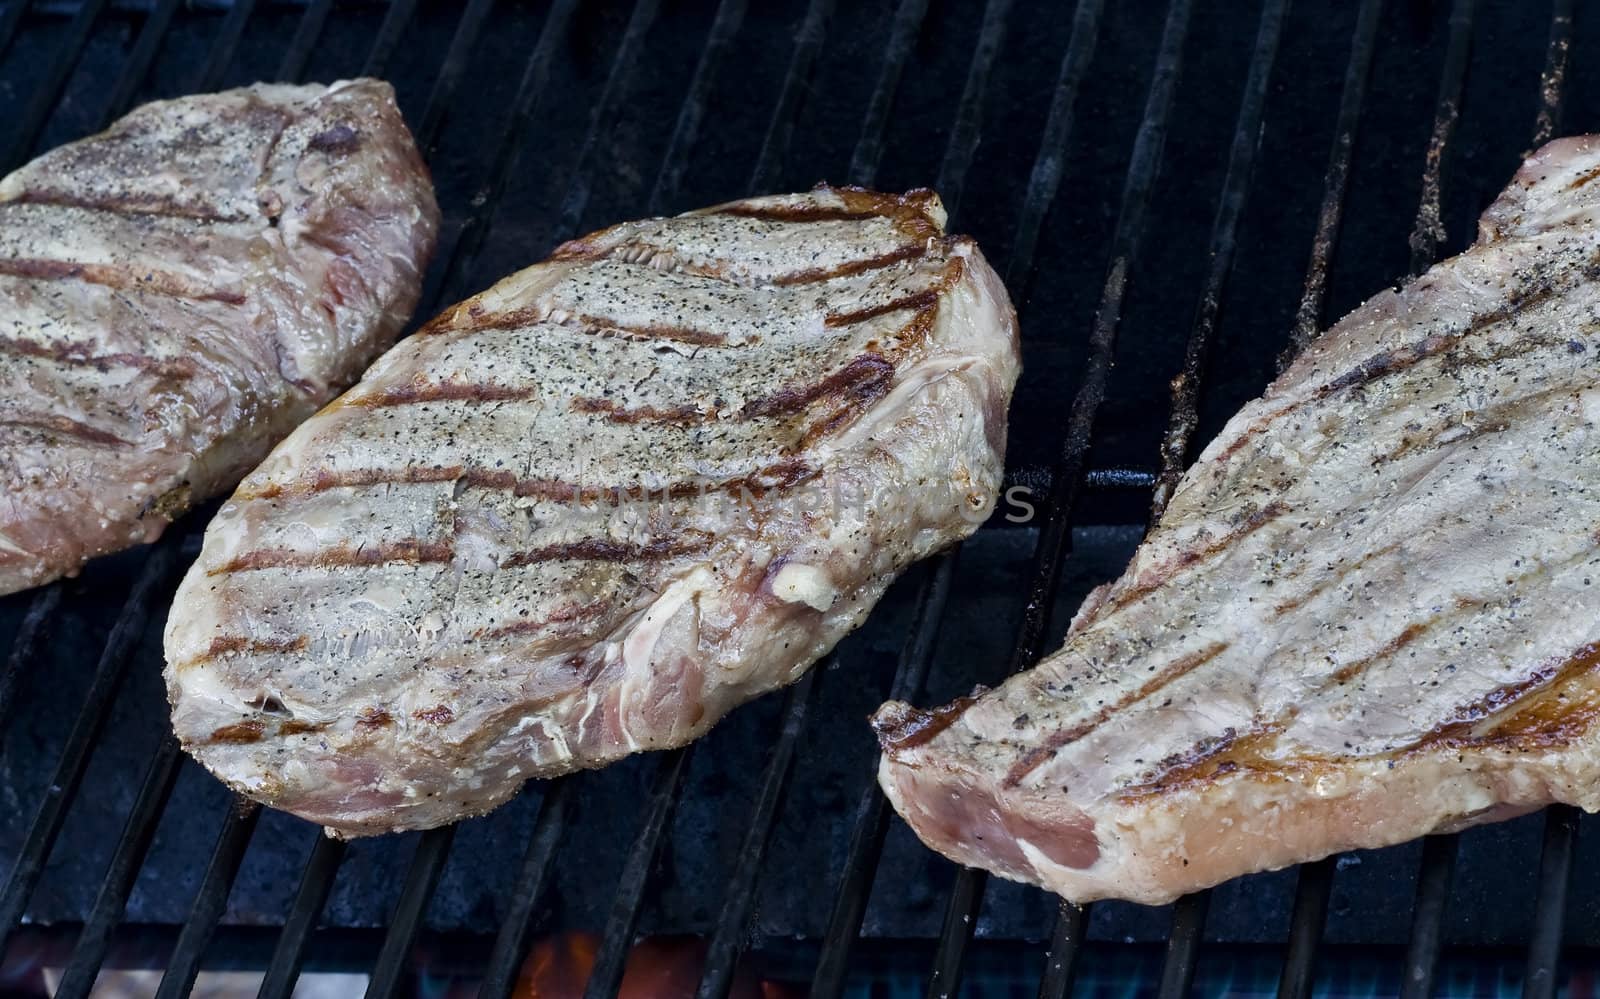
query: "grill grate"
493, 177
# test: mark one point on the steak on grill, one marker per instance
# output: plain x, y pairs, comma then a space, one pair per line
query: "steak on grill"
177, 292
591, 510
1370, 612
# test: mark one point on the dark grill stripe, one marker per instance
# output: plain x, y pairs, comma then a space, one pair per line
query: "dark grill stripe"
56, 424
144, 206
607, 550
82, 355
121, 278
1179, 667
411, 551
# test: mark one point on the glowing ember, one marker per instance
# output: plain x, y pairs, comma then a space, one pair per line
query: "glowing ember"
658, 968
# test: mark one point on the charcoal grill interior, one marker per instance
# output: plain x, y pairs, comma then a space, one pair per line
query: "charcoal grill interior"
1173, 190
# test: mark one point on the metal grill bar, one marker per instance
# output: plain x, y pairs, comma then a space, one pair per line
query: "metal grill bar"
775, 146
10, 21
1061, 959
1306, 923
1308, 317
1183, 945
908, 18
1045, 179
137, 834
964, 136
97, 701
872, 814
535, 74
224, 47
1553, 81
210, 901
727, 942
283, 970
1428, 231
500, 974
395, 21
1055, 534
616, 85
449, 78
49, 91
1549, 914
140, 60
427, 864
26, 644
730, 15
610, 963
298, 56
1433, 890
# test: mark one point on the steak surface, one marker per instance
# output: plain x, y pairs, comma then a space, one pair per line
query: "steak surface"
591, 510
1370, 612
179, 291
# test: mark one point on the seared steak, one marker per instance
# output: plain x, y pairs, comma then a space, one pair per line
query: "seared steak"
179, 291
1371, 611
596, 507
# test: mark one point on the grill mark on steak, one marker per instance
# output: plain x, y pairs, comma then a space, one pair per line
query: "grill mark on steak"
52, 423
776, 477
144, 205
919, 301
240, 732
121, 278
81, 355
1191, 557
412, 551
607, 550
650, 258
418, 391
1179, 667
867, 376
677, 415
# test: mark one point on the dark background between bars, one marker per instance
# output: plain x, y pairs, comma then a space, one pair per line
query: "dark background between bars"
1062, 136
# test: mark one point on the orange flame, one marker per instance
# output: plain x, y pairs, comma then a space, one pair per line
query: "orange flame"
558, 967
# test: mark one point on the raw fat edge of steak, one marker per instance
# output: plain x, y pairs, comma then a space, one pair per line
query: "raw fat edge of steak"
182, 289
591, 510
1370, 612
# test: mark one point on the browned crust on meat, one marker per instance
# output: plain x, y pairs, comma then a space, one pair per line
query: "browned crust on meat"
411, 551
901, 727
606, 550
55, 423
239, 733
147, 204
680, 415
866, 376
120, 278
419, 390
1065, 737
224, 644
82, 354
439, 714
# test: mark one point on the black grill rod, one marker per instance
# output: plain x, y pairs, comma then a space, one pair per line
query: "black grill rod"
1045, 179
1439, 851
1308, 316
1061, 959
137, 833
908, 18
449, 78
738, 904
605, 107
427, 864
965, 132
10, 21
535, 74
1549, 918
611, 960
35, 622
97, 703
395, 21
1427, 917
729, 17
224, 47
796, 81
48, 92
1189, 916
298, 56
1306, 924
872, 813
140, 60
1553, 81
1560, 821
1428, 231
1067, 477
283, 970
210, 901
500, 974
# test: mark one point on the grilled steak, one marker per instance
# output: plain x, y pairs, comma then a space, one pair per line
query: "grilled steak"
596, 507
179, 291
1371, 611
